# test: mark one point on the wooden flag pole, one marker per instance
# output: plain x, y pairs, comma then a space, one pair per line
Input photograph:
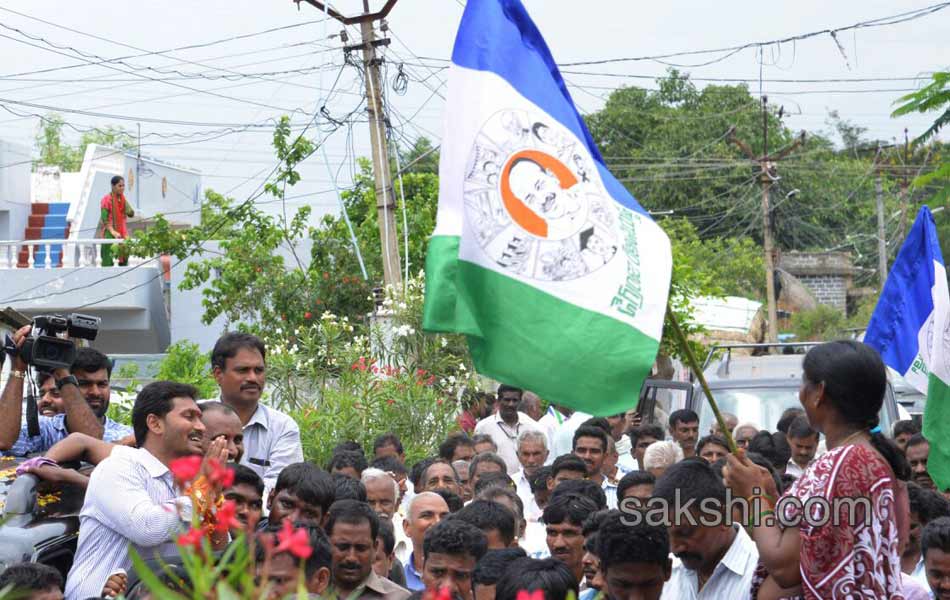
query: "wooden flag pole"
697, 370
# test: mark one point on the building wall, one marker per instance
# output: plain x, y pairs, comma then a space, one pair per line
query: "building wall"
14, 190
831, 290
827, 275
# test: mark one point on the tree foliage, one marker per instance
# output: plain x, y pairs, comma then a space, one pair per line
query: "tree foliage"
55, 151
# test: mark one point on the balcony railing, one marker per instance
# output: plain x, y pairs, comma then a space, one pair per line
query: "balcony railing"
52, 254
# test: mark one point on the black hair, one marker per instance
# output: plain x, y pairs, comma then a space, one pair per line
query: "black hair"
788, 415
600, 422
321, 554
568, 462
437, 461
591, 431
493, 493
488, 515
683, 415
694, 479
509, 388
390, 464
800, 428
452, 500
157, 398
42, 377
649, 430
581, 487
548, 575
388, 535
229, 344
454, 537
936, 535
928, 504
758, 459
418, 469
348, 446
772, 446
447, 448
493, 565
347, 488
486, 457
387, 439
855, 379
592, 523
246, 475
619, 542
348, 458
569, 507
539, 481
900, 427
116, 179
90, 360
30, 577
591, 541
492, 480
352, 512
634, 478
309, 483
216, 406
483, 438
916, 440
714, 439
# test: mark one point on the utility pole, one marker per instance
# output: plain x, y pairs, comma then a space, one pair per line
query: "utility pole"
767, 177
385, 199
138, 169
881, 239
904, 184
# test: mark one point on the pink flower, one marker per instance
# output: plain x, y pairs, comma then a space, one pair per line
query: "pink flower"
226, 517
307, 315
185, 469
221, 475
526, 595
191, 539
297, 542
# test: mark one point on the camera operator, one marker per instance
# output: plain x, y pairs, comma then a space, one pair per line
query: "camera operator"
85, 397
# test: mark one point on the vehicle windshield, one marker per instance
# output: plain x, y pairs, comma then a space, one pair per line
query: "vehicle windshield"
761, 406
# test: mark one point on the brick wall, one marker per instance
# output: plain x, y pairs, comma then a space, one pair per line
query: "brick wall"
827, 275
828, 289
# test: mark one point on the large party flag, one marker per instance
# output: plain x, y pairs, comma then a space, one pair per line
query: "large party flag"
911, 329
556, 274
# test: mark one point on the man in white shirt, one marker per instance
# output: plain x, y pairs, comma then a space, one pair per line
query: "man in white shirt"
803, 441
590, 445
713, 560
532, 454
563, 442
551, 422
132, 497
271, 438
506, 425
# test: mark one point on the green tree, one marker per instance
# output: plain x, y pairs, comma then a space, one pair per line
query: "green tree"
54, 151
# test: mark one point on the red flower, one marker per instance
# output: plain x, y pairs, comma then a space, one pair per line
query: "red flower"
297, 542
439, 402
430, 380
307, 315
526, 595
226, 516
192, 538
360, 364
221, 475
420, 372
390, 401
326, 275
185, 469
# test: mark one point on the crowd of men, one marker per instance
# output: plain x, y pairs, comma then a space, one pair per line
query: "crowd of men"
523, 500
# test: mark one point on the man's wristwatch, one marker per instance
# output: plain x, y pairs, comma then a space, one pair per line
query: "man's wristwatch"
68, 380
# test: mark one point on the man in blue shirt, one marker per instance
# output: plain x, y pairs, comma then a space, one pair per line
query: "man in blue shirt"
85, 394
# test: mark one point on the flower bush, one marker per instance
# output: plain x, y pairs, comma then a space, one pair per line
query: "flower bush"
342, 380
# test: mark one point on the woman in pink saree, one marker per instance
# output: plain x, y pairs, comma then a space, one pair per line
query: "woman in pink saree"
850, 504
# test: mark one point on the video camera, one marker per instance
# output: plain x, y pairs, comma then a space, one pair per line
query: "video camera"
45, 350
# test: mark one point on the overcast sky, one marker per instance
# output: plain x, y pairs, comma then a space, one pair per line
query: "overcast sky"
422, 32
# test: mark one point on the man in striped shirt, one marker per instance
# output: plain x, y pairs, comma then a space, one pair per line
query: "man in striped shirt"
132, 498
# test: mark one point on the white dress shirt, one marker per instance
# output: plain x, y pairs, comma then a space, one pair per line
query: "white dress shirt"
131, 498
732, 577
550, 423
531, 510
506, 437
271, 442
403, 547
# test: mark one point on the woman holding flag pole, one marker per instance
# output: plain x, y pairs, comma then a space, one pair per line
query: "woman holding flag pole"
827, 548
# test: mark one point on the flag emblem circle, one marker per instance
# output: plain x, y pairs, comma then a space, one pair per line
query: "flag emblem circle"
535, 199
